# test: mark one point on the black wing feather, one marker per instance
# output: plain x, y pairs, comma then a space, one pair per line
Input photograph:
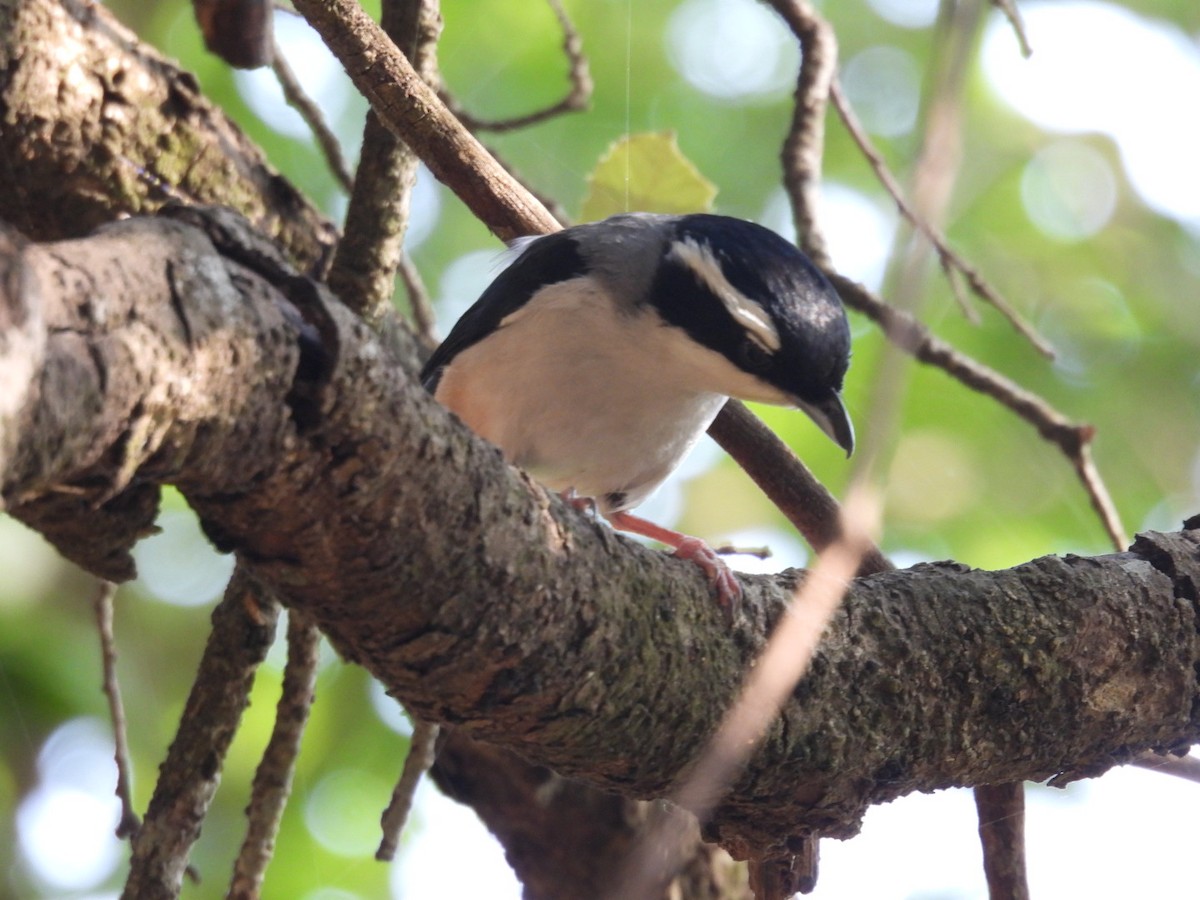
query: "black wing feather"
547, 260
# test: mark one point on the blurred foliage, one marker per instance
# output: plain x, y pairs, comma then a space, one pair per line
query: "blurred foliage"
969, 481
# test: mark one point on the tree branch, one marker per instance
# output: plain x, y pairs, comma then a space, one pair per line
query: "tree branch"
243, 629
98, 125
534, 627
575, 100
273, 779
102, 604
371, 250
412, 110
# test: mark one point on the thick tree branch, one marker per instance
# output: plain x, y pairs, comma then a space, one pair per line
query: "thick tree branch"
98, 125
536, 628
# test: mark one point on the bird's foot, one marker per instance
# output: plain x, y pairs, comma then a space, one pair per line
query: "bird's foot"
720, 576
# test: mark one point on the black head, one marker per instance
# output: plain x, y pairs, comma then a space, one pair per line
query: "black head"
746, 293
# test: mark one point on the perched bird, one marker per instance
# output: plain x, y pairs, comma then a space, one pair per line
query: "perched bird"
601, 354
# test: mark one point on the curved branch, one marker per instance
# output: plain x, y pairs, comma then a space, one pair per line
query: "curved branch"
575, 100
307, 109
804, 147
534, 627
951, 262
1072, 438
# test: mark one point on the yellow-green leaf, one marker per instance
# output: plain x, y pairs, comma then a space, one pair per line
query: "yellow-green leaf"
646, 173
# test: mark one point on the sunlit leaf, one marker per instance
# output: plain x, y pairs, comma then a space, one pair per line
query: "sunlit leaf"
646, 173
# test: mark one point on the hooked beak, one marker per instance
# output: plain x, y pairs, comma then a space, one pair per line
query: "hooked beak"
831, 417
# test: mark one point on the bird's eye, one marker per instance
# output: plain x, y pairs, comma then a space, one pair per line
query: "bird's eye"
753, 358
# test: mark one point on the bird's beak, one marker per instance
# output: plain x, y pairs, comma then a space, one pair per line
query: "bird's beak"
831, 417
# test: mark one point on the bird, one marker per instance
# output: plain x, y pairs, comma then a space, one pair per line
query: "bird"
598, 357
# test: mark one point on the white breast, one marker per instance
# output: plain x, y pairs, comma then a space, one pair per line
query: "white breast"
587, 397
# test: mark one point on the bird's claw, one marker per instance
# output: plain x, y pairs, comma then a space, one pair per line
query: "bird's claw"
720, 576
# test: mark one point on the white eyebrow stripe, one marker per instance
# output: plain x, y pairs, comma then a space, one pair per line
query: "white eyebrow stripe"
746, 312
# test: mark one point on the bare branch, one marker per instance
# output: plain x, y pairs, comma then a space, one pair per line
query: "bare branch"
420, 757
1001, 810
371, 249
950, 260
273, 778
1071, 438
786, 480
805, 143
297, 99
103, 606
423, 319
576, 99
1009, 8
243, 629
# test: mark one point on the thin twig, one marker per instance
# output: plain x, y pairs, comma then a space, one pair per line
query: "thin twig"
1009, 8
950, 260
786, 481
273, 778
1102, 501
1070, 437
1001, 811
103, 605
294, 94
804, 146
423, 319
412, 110
1185, 767
576, 99
421, 754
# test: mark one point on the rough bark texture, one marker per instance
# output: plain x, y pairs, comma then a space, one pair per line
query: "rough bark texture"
141, 356
74, 172
95, 124
531, 809
242, 633
537, 629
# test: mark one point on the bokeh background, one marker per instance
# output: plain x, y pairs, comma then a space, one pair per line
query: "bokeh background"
1078, 197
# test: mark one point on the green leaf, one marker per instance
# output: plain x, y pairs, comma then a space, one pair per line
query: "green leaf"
646, 173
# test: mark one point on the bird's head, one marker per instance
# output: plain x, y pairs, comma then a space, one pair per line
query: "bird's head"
750, 296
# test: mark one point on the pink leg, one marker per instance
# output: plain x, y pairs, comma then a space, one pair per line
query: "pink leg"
583, 504
729, 590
